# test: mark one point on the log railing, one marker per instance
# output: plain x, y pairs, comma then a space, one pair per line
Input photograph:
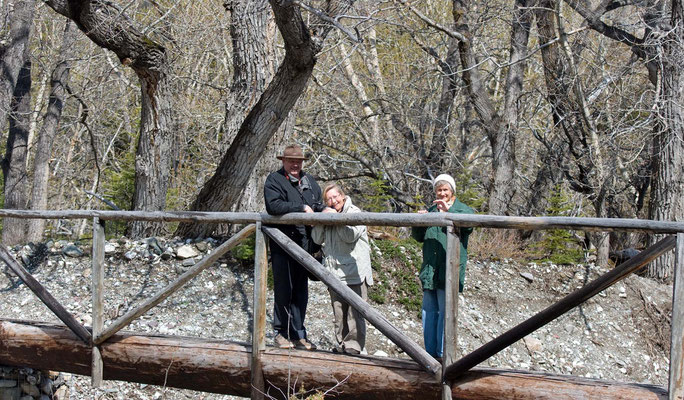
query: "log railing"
451, 371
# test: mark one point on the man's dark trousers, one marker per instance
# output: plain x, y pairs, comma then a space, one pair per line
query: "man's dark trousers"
290, 294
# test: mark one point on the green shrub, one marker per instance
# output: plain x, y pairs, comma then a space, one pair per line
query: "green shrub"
377, 197
466, 189
244, 252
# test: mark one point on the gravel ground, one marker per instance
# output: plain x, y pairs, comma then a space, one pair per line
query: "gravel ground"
620, 335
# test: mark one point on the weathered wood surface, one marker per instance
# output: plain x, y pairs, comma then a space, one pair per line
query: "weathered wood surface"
223, 367
369, 313
98, 296
175, 285
374, 219
554, 311
259, 313
453, 264
676, 383
45, 296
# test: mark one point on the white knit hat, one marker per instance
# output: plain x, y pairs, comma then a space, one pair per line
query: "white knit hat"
445, 178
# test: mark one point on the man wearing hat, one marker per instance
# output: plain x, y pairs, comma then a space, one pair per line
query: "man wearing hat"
291, 190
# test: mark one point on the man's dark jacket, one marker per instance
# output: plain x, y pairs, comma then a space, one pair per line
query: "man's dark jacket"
283, 196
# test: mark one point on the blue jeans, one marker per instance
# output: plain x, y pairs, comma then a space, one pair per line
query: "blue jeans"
433, 321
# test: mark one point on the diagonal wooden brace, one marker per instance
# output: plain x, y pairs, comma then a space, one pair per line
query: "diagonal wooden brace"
554, 311
416, 352
206, 262
45, 296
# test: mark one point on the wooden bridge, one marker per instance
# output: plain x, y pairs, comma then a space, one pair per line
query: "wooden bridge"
255, 370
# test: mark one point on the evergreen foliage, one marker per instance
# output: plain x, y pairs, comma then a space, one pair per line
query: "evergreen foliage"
558, 245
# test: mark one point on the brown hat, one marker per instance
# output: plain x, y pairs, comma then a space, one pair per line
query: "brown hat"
294, 152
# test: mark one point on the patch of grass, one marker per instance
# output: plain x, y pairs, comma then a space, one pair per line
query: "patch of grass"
495, 245
395, 272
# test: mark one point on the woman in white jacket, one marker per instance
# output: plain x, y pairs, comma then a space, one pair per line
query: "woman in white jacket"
347, 256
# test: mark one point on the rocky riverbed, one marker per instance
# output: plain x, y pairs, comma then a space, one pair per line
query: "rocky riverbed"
620, 335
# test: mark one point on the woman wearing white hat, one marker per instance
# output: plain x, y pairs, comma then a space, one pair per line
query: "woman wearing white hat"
433, 270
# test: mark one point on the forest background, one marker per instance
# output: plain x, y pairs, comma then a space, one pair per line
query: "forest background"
536, 107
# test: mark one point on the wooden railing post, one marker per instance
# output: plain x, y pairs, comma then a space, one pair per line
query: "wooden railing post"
451, 303
98, 298
259, 323
676, 384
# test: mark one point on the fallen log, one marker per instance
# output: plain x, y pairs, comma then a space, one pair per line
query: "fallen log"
224, 367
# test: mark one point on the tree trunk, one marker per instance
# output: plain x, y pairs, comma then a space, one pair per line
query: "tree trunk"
152, 157
667, 203
108, 27
252, 31
12, 53
46, 136
223, 189
501, 139
14, 163
252, 36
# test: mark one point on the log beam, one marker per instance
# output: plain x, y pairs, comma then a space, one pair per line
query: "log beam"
224, 367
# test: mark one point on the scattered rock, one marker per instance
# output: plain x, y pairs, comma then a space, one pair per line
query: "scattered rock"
29, 389
153, 245
533, 344
528, 276
72, 251
110, 248
186, 251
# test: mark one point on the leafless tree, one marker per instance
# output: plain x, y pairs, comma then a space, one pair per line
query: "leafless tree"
302, 44
48, 131
109, 27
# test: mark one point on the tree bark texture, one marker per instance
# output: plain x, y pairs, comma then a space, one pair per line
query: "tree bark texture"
14, 163
48, 132
108, 27
667, 191
12, 53
252, 32
302, 43
224, 367
253, 56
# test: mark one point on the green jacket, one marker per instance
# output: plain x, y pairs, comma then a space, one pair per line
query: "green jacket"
434, 239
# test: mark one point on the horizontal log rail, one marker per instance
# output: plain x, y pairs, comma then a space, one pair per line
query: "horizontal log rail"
367, 218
